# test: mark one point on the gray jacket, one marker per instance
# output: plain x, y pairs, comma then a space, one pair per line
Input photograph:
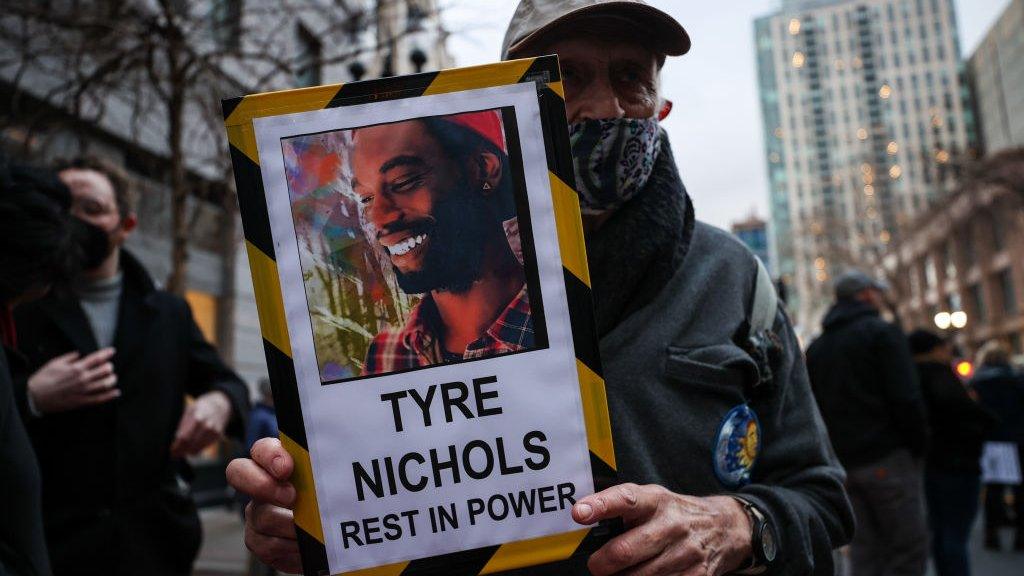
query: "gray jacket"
673, 375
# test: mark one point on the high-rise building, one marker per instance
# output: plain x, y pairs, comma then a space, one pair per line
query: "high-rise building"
864, 116
996, 71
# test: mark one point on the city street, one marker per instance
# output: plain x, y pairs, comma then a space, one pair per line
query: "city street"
224, 554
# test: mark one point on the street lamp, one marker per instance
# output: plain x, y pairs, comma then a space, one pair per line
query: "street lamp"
957, 320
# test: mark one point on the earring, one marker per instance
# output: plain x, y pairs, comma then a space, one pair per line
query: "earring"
487, 185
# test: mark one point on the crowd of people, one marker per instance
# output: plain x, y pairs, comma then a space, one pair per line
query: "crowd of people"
97, 363
911, 433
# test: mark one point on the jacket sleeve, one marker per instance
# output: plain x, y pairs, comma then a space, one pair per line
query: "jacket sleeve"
898, 376
797, 481
207, 372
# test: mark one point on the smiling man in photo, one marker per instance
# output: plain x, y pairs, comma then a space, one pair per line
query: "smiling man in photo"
437, 196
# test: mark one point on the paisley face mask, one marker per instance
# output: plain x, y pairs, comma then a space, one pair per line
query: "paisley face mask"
613, 159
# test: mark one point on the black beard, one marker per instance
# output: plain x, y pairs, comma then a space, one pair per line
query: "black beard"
454, 258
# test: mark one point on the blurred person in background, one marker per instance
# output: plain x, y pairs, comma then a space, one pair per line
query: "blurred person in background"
110, 359
40, 244
864, 380
263, 418
1001, 389
952, 476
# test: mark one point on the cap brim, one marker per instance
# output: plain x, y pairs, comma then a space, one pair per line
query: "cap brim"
660, 32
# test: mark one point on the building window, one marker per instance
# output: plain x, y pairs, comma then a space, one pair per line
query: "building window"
950, 258
998, 233
930, 276
970, 251
1010, 306
226, 23
307, 58
978, 301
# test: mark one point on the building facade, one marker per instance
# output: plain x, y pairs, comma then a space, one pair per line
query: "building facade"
996, 72
864, 113
965, 255
754, 233
290, 44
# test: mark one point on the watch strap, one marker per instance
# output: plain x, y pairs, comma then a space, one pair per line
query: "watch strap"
757, 520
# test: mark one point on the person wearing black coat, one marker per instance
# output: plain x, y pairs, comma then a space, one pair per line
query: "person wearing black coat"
38, 246
111, 359
864, 381
1001, 390
952, 475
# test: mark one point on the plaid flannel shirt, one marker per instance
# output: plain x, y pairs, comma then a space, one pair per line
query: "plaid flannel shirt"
417, 343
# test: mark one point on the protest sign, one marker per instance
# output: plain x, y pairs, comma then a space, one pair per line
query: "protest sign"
420, 274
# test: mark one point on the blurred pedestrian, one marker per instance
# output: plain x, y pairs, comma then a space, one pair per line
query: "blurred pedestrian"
41, 244
1001, 390
111, 359
952, 475
864, 381
263, 417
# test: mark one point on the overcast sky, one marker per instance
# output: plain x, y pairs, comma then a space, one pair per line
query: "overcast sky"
715, 126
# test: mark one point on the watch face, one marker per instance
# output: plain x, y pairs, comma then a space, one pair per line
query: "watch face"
768, 544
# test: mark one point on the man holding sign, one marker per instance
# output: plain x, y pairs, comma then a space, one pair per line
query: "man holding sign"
710, 404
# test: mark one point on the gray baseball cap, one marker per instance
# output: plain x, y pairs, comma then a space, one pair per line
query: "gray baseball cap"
535, 20
851, 282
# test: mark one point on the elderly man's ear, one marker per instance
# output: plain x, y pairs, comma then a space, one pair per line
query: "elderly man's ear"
485, 171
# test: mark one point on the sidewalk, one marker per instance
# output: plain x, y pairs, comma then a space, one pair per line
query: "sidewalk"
224, 554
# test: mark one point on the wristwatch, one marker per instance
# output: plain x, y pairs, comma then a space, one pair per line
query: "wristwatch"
763, 541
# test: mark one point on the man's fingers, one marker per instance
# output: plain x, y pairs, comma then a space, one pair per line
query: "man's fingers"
100, 398
270, 520
187, 426
279, 553
628, 501
271, 455
100, 385
102, 371
632, 549
202, 438
65, 358
96, 358
250, 478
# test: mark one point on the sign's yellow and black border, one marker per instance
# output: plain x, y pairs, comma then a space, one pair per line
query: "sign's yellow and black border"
239, 114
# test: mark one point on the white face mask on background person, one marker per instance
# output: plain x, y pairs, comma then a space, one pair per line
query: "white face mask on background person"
613, 159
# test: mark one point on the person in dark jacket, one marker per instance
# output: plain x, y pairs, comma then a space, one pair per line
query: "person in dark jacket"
1001, 390
41, 244
111, 359
866, 387
952, 476
672, 297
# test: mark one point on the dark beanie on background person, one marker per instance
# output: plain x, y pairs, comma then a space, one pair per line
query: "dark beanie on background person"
41, 242
924, 341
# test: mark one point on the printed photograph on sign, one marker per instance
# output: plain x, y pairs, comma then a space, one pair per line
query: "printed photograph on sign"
415, 243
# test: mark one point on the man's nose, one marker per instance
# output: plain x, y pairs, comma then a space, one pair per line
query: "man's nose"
599, 102
383, 211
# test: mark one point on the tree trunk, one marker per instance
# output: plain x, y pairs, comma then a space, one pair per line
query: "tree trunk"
228, 262
179, 191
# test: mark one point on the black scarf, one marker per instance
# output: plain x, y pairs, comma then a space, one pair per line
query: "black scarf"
639, 248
